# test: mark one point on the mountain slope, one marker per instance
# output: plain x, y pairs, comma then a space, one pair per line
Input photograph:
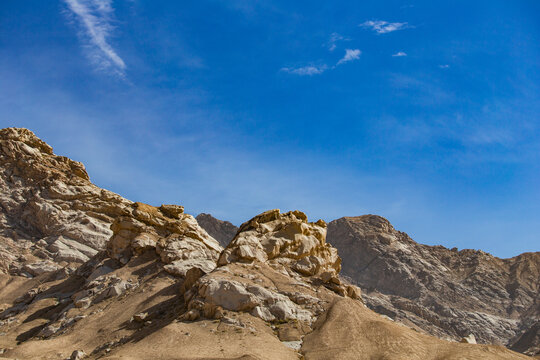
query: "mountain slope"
447, 293
157, 285
261, 302
222, 231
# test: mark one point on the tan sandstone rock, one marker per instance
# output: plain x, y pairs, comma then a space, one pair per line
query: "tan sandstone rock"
50, 209
287, 239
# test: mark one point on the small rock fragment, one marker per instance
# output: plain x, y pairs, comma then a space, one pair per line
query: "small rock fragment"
140, 317
77, 355
469, 339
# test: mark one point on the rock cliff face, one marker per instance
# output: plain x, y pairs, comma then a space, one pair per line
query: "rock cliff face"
222, 231
447, 293
50, 213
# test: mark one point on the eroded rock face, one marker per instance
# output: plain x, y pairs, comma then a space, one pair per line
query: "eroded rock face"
176, 238
164, 242
447, 293
222, 231
268, 247
49, 209
288, 239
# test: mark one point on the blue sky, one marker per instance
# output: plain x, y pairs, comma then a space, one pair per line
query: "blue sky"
422, 112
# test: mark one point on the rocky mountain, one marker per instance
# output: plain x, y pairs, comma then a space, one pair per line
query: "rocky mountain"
274, 293
446, 293
51, 215
159, 286
222, 231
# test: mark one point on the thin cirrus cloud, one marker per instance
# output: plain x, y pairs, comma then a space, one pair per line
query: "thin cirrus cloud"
309, 70
350, 55
334, 39
306, 70
384, 27
399, 54
95, 17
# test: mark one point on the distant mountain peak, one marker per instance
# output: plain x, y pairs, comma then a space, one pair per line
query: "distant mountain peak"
444, 292
222, 231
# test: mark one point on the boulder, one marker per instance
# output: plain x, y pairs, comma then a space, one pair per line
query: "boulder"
77, 355
40, 267
263, 303
470, 339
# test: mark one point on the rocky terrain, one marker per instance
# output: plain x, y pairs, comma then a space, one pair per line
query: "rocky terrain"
222, 231
51, 215
447, 293
156, 284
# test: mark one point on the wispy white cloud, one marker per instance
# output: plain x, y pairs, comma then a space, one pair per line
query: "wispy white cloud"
399, 54
350, 55
444, 66
334, 38
383, 27
95, 18
306, 70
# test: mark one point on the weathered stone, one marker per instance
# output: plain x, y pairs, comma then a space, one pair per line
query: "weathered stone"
222, 231
83, 303
43, 195
173, 211
100, 271
49, 331
140, 317
41, 267
191, 276
446, 292
354, 292
175, 239
77, 355
191, 315
288, 238
469, 339
260, 302
181, 267
289, 332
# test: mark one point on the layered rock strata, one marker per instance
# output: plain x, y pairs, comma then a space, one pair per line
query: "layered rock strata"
222, 231
51, 215
447, 293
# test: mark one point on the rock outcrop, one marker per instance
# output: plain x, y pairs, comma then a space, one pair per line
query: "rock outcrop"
271, 249
175, 236
50, 212
287, 239
222, 231
165, 234
447, 293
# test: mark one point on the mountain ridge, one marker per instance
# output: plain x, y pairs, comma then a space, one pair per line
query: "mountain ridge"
156, 284
393, 298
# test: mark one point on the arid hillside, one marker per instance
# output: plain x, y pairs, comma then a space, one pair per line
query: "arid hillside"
447, 293
156, 285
